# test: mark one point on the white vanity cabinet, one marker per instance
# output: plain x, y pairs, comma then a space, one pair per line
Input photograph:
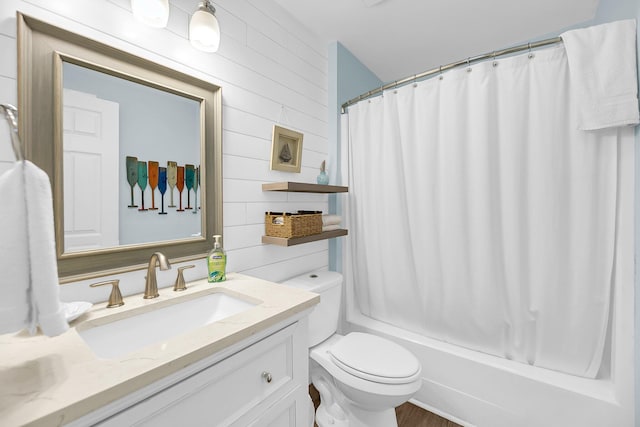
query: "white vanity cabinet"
245, 369
263, 383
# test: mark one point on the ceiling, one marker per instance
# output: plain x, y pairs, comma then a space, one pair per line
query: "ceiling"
400, 38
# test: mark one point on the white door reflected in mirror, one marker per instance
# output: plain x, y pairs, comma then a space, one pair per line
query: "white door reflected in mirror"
91, 146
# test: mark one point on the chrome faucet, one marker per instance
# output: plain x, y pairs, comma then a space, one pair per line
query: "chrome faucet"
151, 284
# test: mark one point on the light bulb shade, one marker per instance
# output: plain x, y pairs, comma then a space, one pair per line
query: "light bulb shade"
154, 13
204, 31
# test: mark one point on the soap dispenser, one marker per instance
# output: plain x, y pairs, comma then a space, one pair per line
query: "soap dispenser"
217, 261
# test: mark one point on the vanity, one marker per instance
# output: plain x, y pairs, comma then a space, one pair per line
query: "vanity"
230, 354
245, 369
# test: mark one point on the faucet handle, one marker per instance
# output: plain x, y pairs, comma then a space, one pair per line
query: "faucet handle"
180, 285
115, 298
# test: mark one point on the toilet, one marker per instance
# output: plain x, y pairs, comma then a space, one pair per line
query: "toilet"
361, 377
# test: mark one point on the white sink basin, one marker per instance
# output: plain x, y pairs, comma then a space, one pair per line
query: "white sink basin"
120, 337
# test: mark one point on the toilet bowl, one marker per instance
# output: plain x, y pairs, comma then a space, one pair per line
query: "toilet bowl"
361, 377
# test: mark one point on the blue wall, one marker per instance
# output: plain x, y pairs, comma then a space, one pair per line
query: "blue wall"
348, 78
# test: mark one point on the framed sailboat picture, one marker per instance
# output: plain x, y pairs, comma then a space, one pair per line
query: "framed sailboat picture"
286, 149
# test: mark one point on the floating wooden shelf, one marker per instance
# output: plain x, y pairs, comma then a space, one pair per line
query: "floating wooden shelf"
282, 241
303, 187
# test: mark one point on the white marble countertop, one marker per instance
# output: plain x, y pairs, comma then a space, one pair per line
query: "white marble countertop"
52, 381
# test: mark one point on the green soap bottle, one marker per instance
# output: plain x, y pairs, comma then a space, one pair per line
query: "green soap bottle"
217, 261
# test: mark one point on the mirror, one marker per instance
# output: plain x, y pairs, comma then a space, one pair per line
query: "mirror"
119, 138
133, 150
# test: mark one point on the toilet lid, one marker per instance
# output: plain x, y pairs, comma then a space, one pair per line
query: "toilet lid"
374, 358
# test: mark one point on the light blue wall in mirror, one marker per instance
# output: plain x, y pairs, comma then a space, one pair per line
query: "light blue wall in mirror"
154, 125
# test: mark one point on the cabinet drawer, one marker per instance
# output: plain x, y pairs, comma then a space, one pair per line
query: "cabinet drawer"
283, 414
218, 395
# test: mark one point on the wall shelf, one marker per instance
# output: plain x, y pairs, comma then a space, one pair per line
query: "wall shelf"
292, 241
303, 187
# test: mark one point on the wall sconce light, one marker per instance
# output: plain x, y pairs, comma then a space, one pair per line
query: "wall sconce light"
204, 30
154, 13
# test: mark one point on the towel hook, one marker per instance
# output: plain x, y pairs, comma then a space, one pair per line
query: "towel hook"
11, 113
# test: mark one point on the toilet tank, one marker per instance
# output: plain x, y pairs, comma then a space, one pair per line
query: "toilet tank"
323, 320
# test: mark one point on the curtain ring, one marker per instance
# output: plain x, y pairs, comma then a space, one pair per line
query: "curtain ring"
531, 54
468, 64
395, 87
495, 63
441, 77
415, 77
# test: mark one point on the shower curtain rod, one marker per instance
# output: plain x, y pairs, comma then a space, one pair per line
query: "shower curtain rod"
468, 61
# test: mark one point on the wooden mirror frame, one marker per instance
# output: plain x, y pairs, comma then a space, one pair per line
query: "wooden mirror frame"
41, 48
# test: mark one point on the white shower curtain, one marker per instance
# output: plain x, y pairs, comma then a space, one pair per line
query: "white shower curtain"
480, 216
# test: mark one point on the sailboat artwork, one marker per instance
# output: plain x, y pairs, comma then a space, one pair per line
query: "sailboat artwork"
286, 149
285, 154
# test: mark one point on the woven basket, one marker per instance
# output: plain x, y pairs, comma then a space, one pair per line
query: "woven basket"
283, 224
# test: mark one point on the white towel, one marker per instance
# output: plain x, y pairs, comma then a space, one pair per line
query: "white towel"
603, 76
330, 227
29, 278
331, 219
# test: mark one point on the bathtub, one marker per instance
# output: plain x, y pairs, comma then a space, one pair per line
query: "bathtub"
477, 389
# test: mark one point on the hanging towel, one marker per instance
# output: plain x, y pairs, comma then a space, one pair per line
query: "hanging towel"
29, 279
331, 219
603, 75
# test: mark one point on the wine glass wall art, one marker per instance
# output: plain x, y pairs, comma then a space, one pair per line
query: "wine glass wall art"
150, 177
132, 176
153, 183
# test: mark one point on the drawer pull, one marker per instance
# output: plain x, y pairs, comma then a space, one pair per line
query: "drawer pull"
267, 377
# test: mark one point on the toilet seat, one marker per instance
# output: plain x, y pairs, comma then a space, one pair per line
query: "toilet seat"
359, 395
376, 359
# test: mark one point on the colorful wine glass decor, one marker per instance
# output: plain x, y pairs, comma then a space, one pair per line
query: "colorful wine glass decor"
132, 176
189, 177
142, 181
153, 183
180, 185
196, 182
162, 187
172, 177
150, 174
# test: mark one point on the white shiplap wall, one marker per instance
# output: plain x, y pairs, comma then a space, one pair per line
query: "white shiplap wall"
271, 70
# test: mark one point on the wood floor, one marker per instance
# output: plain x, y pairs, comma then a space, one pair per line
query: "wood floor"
408, 415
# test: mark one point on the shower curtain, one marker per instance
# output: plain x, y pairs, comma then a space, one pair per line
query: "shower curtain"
480, 216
